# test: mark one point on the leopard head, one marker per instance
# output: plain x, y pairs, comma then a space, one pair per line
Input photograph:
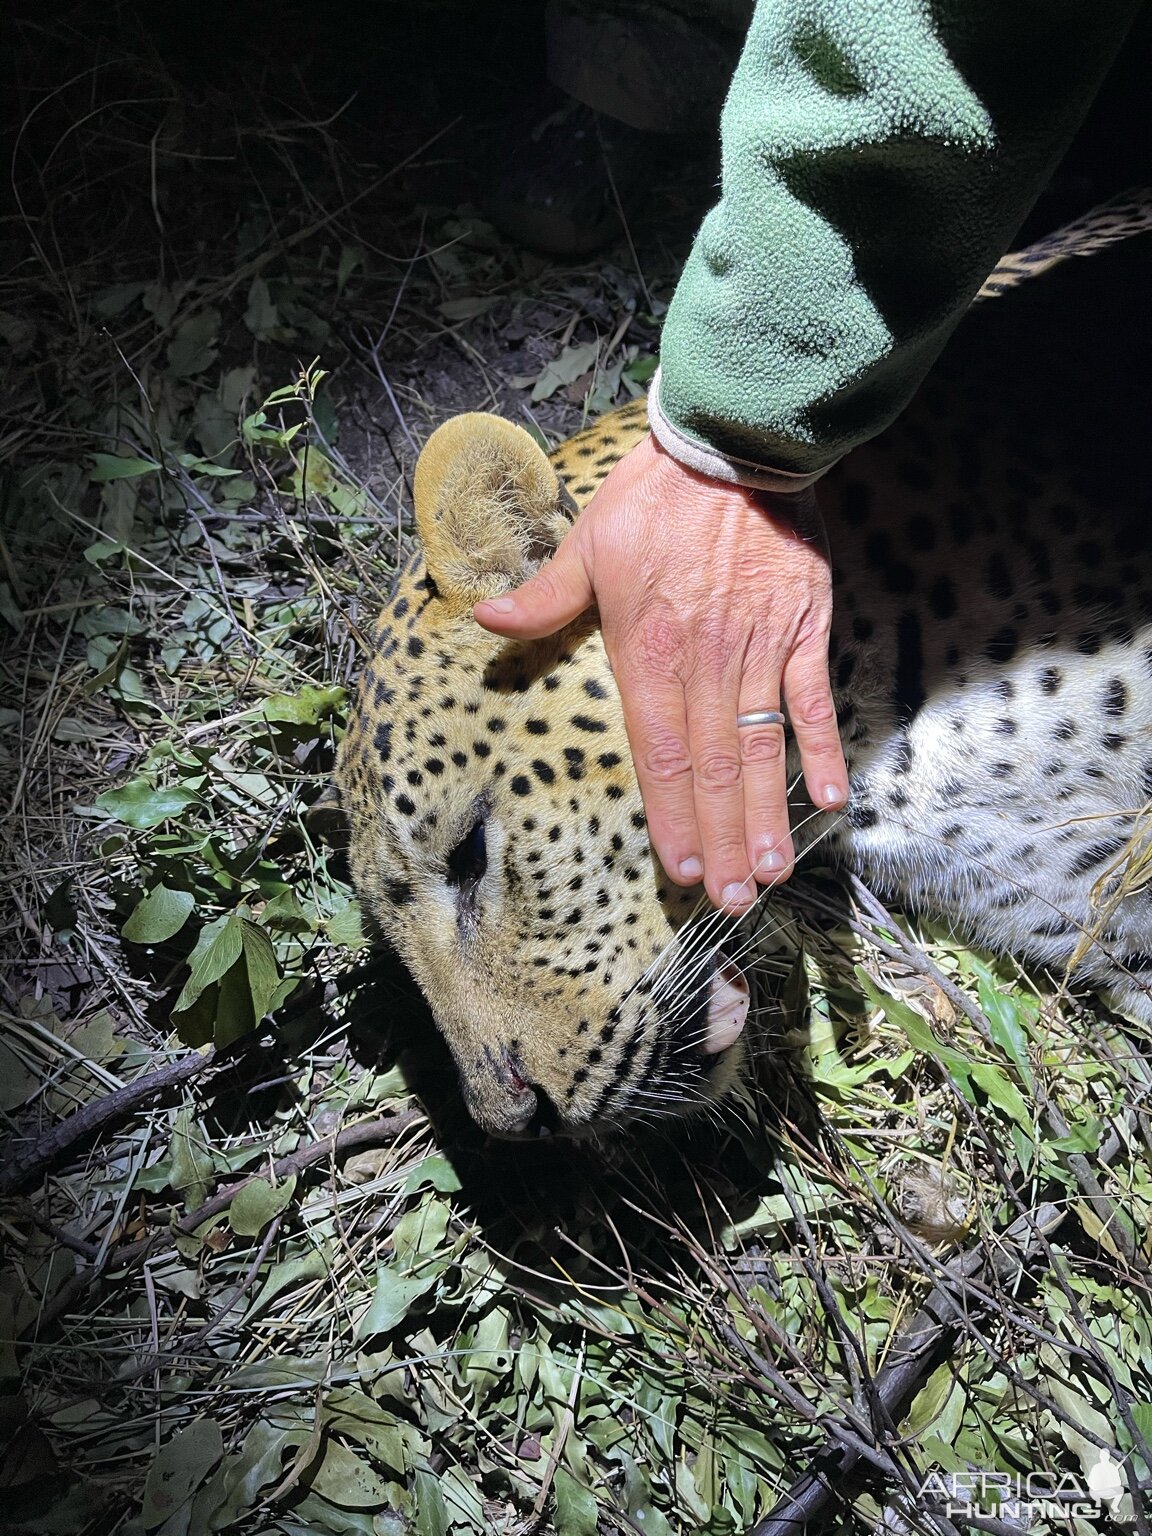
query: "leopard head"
497, 830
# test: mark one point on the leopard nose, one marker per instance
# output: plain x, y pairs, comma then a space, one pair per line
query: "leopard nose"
508, 1105
505, 1115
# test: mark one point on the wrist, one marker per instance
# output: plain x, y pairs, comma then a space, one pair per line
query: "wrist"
675, 483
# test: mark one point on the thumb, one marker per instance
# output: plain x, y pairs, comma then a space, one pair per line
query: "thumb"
558, 593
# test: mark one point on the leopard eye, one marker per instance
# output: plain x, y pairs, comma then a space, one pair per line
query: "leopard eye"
469, 859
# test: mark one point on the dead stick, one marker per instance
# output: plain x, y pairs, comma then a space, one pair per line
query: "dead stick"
365, 1133
27, 1165
925, 1342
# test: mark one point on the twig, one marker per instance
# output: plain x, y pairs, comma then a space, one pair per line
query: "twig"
924, 1343
23, 1167
157, 1356
365, 1133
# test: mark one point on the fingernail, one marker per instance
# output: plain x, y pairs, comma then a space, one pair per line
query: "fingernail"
735, 895
769, 861
690, 869
831, 795
498, 605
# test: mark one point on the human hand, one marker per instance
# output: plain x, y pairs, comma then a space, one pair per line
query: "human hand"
711, 604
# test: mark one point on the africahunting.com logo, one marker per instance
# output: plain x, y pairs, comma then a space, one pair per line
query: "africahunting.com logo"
1021, 1499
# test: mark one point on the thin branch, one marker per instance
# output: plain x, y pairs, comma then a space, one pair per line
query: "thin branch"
33, 1159
366, 1133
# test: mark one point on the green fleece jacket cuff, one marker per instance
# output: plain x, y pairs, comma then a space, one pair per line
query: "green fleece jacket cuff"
705, 460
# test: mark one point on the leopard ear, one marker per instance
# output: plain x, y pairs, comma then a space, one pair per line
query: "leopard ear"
489, 508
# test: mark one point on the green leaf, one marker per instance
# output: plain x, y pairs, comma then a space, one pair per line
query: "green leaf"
193, 347
919, 1033
435, 1170
462, 1501
102, 550
189, 1159
263, 972
941, 1452
232, 1016
16, 1080
1142, 1418
571, 365
283, 1374
180, 1466
257, 1203
466, 308
139, 805
388, 1439
395, 1293
316, 475
196, 1026
345, 927
119, 504
1083, 1136
431, 1515
98, 1041
314, 1516
1002, 1091
115, 466
261, 317
351, 257
929, 1402
284, 914
642, 370
72, 728
488, 1358
346, 1481
259, 1462
689, 1494
419, 1234
575, 1506
158, 915
1077, 1412
308, 707
218, 947
1005, 1026
106, 659
207, 467
234, 981
114, 300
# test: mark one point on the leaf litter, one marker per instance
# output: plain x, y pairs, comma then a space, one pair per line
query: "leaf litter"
289, 1288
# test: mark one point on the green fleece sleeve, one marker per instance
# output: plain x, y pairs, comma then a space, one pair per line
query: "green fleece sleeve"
878, 158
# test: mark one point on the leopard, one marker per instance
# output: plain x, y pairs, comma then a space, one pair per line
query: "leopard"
991, 664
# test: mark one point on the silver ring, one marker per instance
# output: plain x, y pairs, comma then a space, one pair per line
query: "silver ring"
760, 717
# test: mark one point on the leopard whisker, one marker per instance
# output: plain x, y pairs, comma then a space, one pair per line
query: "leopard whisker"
685, 978
716, 917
